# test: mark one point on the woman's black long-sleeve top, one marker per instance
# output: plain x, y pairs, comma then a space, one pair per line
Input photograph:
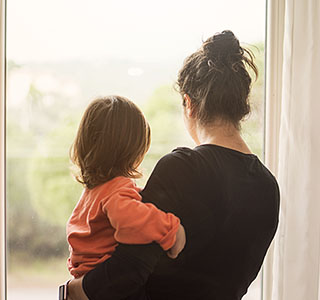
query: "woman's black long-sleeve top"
228, 203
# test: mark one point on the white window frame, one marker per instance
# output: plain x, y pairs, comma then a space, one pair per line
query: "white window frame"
273, 35
2, 149
273, 93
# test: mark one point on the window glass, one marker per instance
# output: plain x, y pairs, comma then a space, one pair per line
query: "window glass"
61, 55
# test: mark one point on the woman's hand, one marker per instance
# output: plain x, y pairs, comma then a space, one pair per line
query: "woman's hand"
179, 244
75, 290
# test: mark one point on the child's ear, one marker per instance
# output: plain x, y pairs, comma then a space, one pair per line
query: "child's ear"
187, 105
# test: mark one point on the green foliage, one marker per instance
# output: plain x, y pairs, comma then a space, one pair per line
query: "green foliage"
163, 111
34, 95
38, 184
252, 127
11, 65
53, 191
28, 234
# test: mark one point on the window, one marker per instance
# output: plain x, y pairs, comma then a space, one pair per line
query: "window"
62, 54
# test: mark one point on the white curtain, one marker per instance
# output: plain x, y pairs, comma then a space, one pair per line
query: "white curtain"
292, 270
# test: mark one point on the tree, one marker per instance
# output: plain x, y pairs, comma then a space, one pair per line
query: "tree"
53, 191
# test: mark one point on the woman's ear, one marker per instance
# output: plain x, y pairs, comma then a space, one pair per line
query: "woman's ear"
187, 105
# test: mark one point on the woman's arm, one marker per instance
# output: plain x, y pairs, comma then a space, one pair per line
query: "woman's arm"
127, 271
124, 274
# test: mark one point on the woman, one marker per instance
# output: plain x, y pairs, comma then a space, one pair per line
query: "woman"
226, 199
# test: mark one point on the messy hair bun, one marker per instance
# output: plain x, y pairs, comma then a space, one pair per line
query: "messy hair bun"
216, 79
222, 45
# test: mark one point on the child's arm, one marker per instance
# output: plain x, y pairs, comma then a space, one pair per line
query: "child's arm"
140, 223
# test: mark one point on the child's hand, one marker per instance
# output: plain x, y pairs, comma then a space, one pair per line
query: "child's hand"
179, 244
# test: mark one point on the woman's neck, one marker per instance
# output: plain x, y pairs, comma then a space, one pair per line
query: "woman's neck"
223, 134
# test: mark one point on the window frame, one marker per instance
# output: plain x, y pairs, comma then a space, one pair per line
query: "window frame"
275, 12
2, 149
270, 103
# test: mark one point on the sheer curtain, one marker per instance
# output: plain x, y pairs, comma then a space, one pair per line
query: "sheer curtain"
293, 147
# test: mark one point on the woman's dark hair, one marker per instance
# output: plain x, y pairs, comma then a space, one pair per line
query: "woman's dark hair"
216, 79
112, 139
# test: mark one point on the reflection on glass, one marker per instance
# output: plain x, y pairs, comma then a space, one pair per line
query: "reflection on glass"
62, 54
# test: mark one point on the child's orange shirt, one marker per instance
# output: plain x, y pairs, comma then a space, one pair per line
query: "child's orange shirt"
112, 213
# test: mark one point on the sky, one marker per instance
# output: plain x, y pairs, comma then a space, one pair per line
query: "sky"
57, 30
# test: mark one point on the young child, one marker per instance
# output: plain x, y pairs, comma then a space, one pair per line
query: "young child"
112, 139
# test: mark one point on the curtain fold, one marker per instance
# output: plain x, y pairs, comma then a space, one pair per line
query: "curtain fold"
292, 265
